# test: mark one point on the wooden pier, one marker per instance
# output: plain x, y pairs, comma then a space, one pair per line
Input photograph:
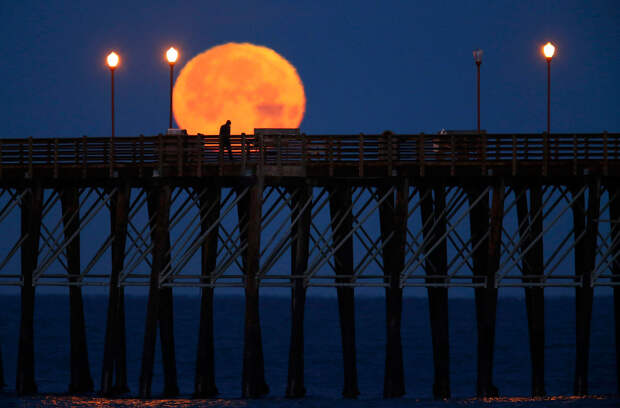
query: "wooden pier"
389, 211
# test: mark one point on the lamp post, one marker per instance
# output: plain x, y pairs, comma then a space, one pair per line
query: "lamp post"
112, 60
548, 51
171, 56
478, 60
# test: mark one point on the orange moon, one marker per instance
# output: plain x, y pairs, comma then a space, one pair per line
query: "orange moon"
250, 85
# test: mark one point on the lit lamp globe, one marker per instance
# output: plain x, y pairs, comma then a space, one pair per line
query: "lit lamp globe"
113, 60
172, 55
548, 50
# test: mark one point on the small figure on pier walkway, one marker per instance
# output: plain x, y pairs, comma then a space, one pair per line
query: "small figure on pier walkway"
225, 138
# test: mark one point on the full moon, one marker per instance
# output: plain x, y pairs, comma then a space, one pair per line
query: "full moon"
250, 85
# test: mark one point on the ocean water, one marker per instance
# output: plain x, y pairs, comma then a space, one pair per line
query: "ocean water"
323, 364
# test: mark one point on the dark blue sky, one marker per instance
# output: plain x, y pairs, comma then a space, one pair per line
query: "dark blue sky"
405, 66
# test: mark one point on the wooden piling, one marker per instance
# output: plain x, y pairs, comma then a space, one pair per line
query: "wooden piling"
434, 227
530, 227
120, 365
166, 336
300, 233
253, 384
81, 380
585, 257
114, 347
31, 208
614, 214
393, 221
159, 308
204, 385
485, 297
340, 206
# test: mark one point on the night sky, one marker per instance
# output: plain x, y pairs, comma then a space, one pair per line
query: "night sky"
405, 66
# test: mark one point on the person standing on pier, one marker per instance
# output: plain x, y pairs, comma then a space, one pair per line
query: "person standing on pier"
225, 138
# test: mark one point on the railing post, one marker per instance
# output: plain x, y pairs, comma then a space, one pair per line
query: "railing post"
262, 153
56, 158
420, 147
160, 163
30, 157
244, 152
452, 155
360, 162
330, 155
279, 156
514, 155
605, 153
111, 162
197, 152
545, 154
84, 156
179, 156
389, 151
141, 156
574, 154
76, 152
304, 148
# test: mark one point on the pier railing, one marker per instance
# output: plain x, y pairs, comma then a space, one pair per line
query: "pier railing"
178, 153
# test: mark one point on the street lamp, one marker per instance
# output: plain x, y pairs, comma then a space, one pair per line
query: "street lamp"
112, 60
171, 56
548, 50
478, 60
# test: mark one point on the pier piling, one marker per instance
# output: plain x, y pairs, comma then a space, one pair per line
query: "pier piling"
585, 220
114, 348
484, 259
159, 308
81, 380
393, 222
204, 386
341, 207
301, 211
531, 227
434, 227
253, 384
32, 204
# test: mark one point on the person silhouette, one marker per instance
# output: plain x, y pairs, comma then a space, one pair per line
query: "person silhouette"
225, 138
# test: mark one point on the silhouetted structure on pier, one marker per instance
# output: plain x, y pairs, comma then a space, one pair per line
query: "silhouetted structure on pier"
423, 210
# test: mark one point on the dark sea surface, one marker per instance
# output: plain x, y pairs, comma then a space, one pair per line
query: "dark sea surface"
323, 372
